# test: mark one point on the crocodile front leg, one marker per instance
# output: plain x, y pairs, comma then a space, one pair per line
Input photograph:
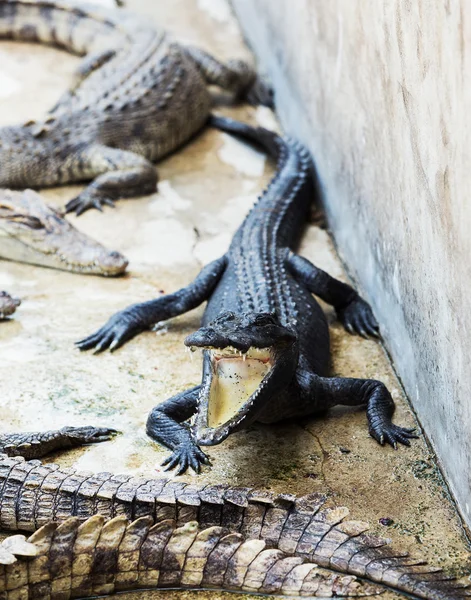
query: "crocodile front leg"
236, 76
165, 425
353, 312
37, 444
136, 318
119, 174
332, 391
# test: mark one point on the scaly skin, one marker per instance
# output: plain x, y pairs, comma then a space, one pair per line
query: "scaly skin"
105, 557
259, 296
32, 232
8, 305
228, 538
138, 96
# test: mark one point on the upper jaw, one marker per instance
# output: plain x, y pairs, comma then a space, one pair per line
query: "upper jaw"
231, 352
207, 338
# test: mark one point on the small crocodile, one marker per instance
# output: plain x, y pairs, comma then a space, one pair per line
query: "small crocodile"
138, 96
265, 339
32, 232
8, 305
243, 539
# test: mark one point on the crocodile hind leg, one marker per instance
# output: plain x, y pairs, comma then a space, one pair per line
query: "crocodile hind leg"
235, 76
119, 174
333, 391
165, 425
37, 444
353, 312
136, 318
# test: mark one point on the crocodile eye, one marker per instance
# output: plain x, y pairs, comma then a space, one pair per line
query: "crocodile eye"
228, 316
264, 319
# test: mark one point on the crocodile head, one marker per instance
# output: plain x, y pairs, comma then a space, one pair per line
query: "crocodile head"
32, 232
8, 304
249, 358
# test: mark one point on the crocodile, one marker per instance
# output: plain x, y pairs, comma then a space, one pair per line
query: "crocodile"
8, 305
265, 339
138, 95
168, 533
32, 232
98, 557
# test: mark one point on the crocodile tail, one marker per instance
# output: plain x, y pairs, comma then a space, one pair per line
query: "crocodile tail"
291, 191
75, 26
32, 494
278, 147
270, 141
108, 556
326, 538
99, 556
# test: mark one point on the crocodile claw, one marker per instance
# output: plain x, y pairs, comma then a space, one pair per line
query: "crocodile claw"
88, 434
392, 434
260, 94
186, 455
119, 328
87, 200
357, 317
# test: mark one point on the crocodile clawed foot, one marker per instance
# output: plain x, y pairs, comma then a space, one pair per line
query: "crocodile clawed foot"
260, 94
357, 317
187, 455
119, 328
392, 434
87, 200
88, 434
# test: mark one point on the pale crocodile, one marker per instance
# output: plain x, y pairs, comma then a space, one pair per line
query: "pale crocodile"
32, 232
138, 96
98, 557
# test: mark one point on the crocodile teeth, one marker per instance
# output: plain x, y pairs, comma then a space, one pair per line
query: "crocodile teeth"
236, 382
263, 354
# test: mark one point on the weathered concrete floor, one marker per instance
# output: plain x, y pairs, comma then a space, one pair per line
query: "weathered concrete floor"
205, 191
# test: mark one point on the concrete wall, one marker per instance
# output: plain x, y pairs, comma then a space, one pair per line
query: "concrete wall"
380, 91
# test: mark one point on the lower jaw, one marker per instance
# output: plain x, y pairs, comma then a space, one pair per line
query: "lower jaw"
206, 438
234, 382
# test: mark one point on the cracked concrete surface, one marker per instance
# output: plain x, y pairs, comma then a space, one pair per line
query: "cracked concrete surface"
204, 192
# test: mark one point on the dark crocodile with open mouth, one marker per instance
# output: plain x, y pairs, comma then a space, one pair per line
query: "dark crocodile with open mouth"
265, 339
138, 96
101, 533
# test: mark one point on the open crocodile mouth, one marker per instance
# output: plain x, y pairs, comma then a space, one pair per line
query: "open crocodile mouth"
236, 379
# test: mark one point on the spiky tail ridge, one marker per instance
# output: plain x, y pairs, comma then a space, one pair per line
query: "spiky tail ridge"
33, 494
74, 26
